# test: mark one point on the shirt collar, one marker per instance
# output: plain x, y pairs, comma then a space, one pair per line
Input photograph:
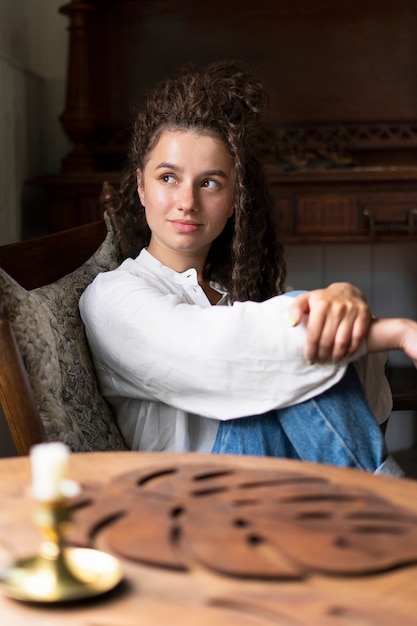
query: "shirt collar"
145, 259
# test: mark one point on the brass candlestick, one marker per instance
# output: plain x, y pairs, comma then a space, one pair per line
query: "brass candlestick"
58, 573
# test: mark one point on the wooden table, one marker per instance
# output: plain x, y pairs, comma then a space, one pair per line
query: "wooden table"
207, 540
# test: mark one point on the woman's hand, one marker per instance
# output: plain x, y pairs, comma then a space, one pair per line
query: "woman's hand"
337, 320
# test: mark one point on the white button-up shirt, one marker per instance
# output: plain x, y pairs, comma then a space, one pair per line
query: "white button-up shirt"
172, 366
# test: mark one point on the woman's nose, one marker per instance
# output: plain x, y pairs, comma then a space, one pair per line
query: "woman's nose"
188, 200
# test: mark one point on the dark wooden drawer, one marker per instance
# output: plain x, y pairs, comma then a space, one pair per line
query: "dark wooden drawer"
327, 214
390, 212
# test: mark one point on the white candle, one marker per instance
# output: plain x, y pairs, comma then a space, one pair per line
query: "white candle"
49, 465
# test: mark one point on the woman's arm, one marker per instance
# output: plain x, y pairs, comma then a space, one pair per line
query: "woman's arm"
393, 334
220, 362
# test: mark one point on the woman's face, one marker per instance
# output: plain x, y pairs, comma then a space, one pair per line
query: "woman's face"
187, 187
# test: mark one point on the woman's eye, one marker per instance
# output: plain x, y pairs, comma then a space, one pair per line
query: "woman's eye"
211, 184
168, 178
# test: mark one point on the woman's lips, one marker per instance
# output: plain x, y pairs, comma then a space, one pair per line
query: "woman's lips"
185, 227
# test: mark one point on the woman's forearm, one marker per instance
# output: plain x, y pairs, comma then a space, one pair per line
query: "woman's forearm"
393, 334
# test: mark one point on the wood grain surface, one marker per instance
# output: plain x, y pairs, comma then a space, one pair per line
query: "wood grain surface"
207, 539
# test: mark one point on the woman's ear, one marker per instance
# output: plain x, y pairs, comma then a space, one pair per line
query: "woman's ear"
139, 178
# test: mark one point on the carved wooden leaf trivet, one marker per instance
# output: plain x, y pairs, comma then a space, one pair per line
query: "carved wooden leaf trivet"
246, 523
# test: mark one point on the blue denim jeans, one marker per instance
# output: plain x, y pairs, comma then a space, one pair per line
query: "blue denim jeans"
336, 428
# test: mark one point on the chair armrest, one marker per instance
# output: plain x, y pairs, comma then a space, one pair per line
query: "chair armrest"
16, 395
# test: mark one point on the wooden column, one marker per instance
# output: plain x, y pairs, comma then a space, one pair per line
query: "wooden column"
78, 117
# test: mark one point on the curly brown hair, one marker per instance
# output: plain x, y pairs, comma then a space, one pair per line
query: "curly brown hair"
246, 258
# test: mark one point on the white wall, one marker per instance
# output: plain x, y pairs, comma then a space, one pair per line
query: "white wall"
33, 43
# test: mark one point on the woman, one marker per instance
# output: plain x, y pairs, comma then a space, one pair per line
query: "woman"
269, 374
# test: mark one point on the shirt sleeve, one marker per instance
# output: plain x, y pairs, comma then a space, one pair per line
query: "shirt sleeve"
217, 362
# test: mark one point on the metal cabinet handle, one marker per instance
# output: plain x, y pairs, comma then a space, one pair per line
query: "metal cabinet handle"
410, 227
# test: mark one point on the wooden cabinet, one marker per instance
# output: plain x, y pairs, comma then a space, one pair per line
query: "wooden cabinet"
358, 204
342, 90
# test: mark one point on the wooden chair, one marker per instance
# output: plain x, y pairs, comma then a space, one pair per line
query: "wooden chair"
48, 389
